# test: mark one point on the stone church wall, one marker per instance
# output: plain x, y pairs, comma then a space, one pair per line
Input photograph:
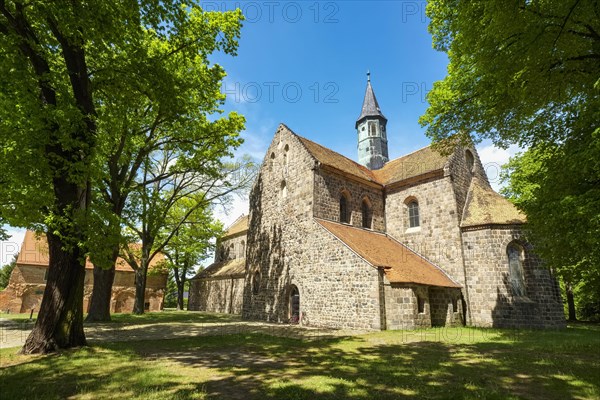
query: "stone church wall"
401, 307
327, 192
217, 295
492, 303
461, 175
287, 247
438, 237
446, 307
231, 247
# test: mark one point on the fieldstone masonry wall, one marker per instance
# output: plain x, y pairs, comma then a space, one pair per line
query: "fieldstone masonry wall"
491, 300
327, 191
217, 295
438, 237
337, 288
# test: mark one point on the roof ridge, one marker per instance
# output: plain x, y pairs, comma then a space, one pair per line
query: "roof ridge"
408, 154
333, 151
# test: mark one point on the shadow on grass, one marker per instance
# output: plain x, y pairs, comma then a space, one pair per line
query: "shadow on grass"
171, 316
450, 363
481, 363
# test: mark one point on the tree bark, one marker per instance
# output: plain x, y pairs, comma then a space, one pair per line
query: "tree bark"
60, 320
180, 298
101, 294
571, 302
140, 289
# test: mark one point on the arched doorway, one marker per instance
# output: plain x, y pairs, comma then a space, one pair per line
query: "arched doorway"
294, 301
32, 299
124, 302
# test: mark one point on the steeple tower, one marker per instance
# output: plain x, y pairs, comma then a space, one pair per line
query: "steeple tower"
370, 126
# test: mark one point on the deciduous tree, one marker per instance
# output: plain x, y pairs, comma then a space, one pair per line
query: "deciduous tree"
64, 68
191, 244
166, 102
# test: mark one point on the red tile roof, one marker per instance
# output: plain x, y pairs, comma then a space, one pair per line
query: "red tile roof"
401, 264
417, 163
235, 268
486, 207
238, 226
34, 251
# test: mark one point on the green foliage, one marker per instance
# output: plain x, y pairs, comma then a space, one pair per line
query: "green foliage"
5, 272
519, 72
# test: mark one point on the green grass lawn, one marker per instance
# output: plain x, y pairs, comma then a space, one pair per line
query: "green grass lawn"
464, 363
149, 317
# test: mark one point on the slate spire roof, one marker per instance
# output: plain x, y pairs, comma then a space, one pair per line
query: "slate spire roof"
370, 106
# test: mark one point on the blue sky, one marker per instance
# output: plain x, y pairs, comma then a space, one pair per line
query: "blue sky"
304, 63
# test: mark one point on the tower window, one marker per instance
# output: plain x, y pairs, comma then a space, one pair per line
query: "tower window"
372, 128
413, 214
515, 266
344, 212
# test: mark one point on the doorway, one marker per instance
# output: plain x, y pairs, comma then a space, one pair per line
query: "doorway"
294, 305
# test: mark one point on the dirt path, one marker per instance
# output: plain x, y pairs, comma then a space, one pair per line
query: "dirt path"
13, 334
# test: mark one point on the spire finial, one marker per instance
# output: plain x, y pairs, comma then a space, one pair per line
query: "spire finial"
368, 76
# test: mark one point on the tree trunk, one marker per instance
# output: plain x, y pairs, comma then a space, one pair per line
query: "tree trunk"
101, 294
180, 297
102, 291
571, 302
140, 289
60, 320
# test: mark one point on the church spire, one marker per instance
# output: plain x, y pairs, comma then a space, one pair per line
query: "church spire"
370, 107
370, 126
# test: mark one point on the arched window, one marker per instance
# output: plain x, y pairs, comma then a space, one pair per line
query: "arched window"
242, 249
256, 282
344, 211
283, 190
285, 155
367, 214
515, 267
470, 160
413, 214
231, 252
272, 162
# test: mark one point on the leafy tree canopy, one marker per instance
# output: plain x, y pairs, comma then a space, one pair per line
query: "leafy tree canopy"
519, 71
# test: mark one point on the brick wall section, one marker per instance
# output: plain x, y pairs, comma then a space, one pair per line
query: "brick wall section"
492, 302
327, 191
217, 295
26, 288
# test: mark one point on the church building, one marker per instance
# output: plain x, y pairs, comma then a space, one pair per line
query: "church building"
418, 241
